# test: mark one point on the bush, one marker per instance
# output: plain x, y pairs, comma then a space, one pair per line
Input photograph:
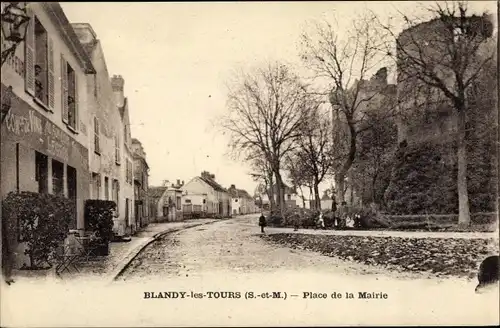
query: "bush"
99, 218
42, 221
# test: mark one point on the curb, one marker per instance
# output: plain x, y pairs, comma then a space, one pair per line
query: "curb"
132, 255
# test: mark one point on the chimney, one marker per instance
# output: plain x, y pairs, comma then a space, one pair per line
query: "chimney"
178, 182
118, 83
84, 32
212, 176
182, 183
232, 187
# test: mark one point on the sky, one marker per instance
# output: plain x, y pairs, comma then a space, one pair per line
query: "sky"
176, 57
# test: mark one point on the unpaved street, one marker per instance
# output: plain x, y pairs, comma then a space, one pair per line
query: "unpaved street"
230, 256
232, 245
235, 246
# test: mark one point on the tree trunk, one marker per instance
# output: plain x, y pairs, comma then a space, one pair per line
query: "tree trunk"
270, 193
463, 195
281, 195
302, 196
340, 187
311, 204
316, 196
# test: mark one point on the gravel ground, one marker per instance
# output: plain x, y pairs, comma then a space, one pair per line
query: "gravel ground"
237, 245
231, 256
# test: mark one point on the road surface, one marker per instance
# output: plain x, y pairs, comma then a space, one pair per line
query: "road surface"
229, 259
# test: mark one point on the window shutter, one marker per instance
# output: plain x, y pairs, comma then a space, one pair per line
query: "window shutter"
50, 76
29, 55
64, 90
77, 113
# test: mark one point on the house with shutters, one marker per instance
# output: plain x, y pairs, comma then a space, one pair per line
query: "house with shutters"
44, 135
107, 160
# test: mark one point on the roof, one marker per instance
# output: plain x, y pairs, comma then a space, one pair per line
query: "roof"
326, 197
239, 193
156, 192
213, 184
122, 108
61, 22
90, 47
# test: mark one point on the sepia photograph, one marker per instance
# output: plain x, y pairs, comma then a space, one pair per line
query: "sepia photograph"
249, 163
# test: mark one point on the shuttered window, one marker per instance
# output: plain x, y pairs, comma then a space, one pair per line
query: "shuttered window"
64, 90
117, 150
97, 144
29, 55
50, 73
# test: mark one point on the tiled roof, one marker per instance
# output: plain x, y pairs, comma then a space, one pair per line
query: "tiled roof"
156, 192
239, 193
213, 184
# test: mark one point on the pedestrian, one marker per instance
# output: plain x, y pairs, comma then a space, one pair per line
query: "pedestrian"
262, 222
321, 221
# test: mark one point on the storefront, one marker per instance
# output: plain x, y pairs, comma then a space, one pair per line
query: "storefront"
38, 156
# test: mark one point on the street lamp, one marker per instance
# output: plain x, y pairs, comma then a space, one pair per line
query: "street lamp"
14, 21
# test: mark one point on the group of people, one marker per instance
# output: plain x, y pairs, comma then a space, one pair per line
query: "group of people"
341, 216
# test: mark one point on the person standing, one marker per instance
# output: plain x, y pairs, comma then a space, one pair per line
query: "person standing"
262, 222
321, 221
334, 211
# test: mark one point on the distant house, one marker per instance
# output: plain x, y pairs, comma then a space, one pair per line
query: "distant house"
242, 202
205, 196
290, 197
166, 202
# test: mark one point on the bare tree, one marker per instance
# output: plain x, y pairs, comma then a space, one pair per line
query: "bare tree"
446, 54
266, 110
345, 61
299, 175
262, 172
314, 148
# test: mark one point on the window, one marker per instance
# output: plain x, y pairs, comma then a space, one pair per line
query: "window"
116, 194
96, 185
187, 201
178, 203
39, 72
97, 143
41, 172
72, 192
289, 197
106, 188
69, 95
57, 177
236, 200
117, 150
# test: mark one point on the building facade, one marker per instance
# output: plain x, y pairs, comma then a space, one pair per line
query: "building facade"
205, 196
105, 154
44, 136
241, 201
141, 184
289, 193
123, 194
165, 202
